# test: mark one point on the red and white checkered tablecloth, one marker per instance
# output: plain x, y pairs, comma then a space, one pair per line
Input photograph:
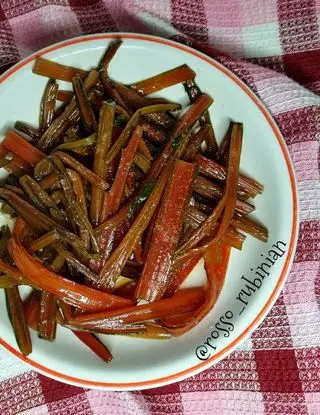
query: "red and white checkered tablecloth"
275, 49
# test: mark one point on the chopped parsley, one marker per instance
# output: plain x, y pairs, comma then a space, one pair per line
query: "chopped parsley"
119, 120
141, 198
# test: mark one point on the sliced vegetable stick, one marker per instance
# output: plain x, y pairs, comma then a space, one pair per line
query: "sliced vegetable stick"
55, 70
211, 190
104, 136
17, 319
7, 281
156, 272
22, 148
79, 191
82, 144
32, 215
48, 104
247, 225
194, 92
12, 163
31, 310
47, 317
123, 213
195, 143
6, 157
153, 133
211, 140
41, 198
124, 136
177, 320
181, 273
228, 201
193, 114
244, 224
212, 169
112, 268
138, 253
15, 189
155, 100
27, 129
47, 308
142, 162
109, 54
78, 188
204, 230
87, 174
136, 101
118, 328
232, 178
185, 123
44, 240
50, 181
223, 151
43, 168
39, 221
91, 341
65, 96
128, 156
185, 300
14, 272
216, 263
74, 262
127, 290
232, 238
153, 331
111, 90
129, 211
164, 80
69, 291
67, 119
74, 211
144, 150
86, 113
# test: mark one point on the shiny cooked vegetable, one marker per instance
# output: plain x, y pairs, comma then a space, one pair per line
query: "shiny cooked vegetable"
116, 198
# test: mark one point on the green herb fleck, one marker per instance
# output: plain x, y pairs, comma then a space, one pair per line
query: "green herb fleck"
176, 142
141, 198
82, 143
119, 120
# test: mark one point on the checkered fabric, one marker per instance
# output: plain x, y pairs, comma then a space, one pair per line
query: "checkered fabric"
273, 46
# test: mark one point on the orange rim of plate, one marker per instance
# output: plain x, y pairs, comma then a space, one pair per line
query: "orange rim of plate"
209, 362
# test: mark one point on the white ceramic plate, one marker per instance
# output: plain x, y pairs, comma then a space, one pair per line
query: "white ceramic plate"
140, 363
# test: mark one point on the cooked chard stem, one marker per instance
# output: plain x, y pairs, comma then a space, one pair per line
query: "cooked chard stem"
27, 129
83, 142
86, 113
74, 210
48, 104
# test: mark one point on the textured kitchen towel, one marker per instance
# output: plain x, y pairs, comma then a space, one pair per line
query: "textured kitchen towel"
274, 47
